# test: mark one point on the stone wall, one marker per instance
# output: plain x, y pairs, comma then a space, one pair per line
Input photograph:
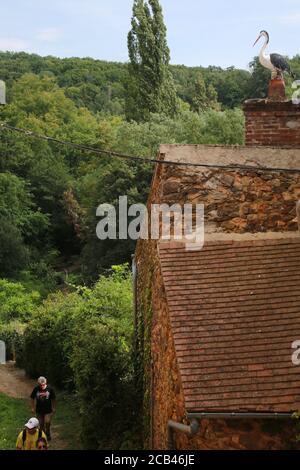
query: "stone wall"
272, 123
168, 400
163, 397
235, 201
240, 435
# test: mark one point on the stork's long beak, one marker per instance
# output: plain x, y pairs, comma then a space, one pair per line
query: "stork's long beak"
257, 40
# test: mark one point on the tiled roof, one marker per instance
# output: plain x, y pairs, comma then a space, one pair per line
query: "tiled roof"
235, 312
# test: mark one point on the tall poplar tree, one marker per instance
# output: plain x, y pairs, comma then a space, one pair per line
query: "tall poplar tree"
150, 87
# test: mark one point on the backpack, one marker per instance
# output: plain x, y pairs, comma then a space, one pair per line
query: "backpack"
24, 434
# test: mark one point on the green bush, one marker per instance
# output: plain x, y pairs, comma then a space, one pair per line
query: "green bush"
84, 339
103, 378
47, 338
15, 302
14, 255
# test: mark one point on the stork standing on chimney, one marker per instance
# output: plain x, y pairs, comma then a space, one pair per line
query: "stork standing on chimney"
274, 62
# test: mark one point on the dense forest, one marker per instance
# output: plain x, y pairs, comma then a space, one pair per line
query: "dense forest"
55, 190
59, 285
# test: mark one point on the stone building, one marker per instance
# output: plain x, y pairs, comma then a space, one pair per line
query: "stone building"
215, 327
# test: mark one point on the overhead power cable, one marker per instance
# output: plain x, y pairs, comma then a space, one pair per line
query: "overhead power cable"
87, 148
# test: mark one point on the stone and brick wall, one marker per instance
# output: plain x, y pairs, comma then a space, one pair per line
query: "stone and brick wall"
272, 123
163, 393
167, 399
247, 434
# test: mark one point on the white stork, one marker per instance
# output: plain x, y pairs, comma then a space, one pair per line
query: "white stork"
274, 62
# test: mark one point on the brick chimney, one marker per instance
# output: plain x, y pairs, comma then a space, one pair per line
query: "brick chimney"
272, 123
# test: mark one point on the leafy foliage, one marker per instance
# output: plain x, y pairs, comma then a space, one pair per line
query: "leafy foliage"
14, 412
20, 223
81, 337
17, 307
204, 97
14, 256
51, 192
13, 335
17, 207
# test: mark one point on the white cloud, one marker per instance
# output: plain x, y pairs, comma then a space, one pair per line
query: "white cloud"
13, 44
48, 34
292, 19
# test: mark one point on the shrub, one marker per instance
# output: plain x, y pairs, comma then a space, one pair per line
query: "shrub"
14, 255
84, 339
15, 302
103, 377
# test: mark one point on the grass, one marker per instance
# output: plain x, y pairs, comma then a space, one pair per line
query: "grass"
15, 412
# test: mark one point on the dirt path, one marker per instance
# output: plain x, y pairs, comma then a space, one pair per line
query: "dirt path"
15, 384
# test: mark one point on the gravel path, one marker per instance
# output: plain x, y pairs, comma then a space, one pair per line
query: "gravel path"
14, 383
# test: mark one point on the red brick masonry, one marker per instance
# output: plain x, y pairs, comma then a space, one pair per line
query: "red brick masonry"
272, 123
235, 311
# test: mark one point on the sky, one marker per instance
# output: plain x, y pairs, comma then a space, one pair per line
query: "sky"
210, 32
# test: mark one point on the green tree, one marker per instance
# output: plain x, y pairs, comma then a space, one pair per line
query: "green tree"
150, 85
38, 103
100, 86
260, 78
231, 85
21, 224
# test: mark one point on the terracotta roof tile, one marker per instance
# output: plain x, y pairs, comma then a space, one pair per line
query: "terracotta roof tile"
235, 312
